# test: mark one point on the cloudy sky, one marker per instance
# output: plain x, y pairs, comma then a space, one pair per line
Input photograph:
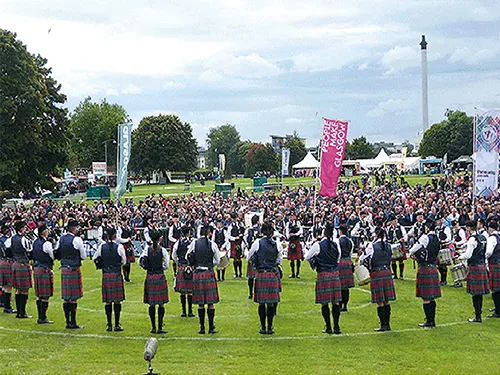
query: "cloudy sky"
269, 66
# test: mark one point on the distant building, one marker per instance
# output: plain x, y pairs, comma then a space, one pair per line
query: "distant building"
390, 147
202, 158
277, 141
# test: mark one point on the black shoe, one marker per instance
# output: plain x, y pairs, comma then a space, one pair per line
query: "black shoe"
201, 331
161, 331
212, 331
118, 328
381, 329
343, 309
153, 330
128, 281
109, 328
270, 331
183, 315
75, 326
492, 310
337, 331
427, 325
395, 277
298, 276
459, 285
250, 296
263, 331
191, 315
44, 321
475, 320
401, 278
23, 316
327, 330
291, 277
494, 315
9, 311
443, 283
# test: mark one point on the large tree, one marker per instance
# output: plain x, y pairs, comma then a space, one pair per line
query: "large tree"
221, 140
163, 143
236, 157
33, 121
297, 149
452, 135
91, 125
260, 157
359, 148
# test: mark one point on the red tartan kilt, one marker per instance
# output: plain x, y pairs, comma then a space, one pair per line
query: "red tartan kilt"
5, 272
346, 274
495, 277
267, 287
181, 284
71, 284
112, 287
155, 289
427, 284
328, 287
233, 252
382, 286
21, 276
205, 290
44, 282
295, 254
251, 271
477, 280
129, 253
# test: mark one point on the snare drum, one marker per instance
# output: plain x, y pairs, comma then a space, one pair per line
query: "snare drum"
397, 251
224, 260
459, 273
362, 274
444, 257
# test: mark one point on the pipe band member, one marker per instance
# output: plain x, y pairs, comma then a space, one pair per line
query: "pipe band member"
183, 285
43, 258
493, 259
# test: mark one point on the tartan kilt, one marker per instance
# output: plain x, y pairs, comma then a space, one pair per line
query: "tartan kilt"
295, 251
44, 282
382, 286
21, 276
71, 284
346, 274
155, 289
233, 249
112, 287
129, 253
495, 277
5, 272
267, 287
477, 280
328, 287
205, 291
251, 271
181, 284
427, 284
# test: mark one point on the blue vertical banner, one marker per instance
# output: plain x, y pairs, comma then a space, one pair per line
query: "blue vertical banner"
124, 152
285, 161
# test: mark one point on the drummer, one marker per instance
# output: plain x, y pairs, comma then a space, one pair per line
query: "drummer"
363, 231
459, 237
219, 236
396, 235
444, 234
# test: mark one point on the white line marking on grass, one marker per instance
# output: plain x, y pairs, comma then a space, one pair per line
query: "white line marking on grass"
213, 338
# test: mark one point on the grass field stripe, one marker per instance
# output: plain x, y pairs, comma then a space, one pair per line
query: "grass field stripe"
271, 338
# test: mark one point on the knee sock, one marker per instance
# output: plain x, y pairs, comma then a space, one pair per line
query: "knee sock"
345, 297
292, 266
39, 309
161, 314
235, 265
6, 300
394, 267
45, 307
201, 315
190, 303
298, 267
1, 297
388, 316
174, 267
477, 302
250, 286
118, 309
109, 313
262, 315
381, 315
325, 311
183, 303
152, 315
218, 275
211, 316
433, 311
126, 271
496, 301
401, 269
270, 316
19, 306
443, 271
66, 308
240, 266
427, 311
336, 316
223, 274
73, 307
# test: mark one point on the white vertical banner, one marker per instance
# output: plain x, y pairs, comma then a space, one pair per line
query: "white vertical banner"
285, 161
486, 147
485, 173
124, 149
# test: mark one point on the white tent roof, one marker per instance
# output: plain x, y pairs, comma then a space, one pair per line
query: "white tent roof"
382, 157
308, 162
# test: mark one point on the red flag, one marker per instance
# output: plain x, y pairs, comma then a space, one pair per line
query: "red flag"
332, 155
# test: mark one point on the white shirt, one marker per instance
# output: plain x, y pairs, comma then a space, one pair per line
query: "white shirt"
175, 258
471, 245
369, 251
48, 249
77, 244
460, 244
171, 237
119, 238
290, 224
166, 257
24, 242
491, 243
256, 246
215, 249
422, 243
225, 245
447, 232
121, 253
315, 249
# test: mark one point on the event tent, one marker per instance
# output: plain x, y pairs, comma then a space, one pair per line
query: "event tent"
309, 162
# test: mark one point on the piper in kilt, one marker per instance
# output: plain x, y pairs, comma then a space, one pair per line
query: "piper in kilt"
124, 236
445, 238
183, 285
71, 251
235, 233
396, 235
294, 231
493, 257
43, 258
155, 260
378, 256
345, 267
219, 237
21, 269
324, 256
477, 275
203, 255
426, 250
6, 260
110, 256
252, 234
174, 233
266, 255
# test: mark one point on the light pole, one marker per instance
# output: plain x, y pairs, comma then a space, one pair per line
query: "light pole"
106, 154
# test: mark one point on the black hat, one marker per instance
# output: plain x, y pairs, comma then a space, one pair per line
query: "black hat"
493, 225
19, 225
72, 224
42, 228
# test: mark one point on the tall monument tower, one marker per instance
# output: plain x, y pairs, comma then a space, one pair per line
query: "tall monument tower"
425, 88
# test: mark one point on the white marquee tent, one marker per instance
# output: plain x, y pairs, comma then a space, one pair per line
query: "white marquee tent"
309, 162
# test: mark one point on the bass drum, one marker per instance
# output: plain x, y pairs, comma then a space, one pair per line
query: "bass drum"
362, 274
224, 260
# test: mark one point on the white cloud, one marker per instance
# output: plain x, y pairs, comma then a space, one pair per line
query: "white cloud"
397, 106
399, 58
471, 57
363, 66
249, 66
112, 92
131, 90
293, 120
174, 85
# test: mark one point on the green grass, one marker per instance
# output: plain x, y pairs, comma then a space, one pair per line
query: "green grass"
298, 347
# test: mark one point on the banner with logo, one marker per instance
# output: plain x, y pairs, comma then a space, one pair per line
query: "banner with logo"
99, 169
285, 161
486, 151
485, 173
333, 146
124, 148
222, 162
487, 131
404, 151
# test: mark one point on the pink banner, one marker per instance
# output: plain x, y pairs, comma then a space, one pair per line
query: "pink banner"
332, 155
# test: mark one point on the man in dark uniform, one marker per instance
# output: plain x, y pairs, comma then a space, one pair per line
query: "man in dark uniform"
112, 257
445, 238
493, 258
266, 255
71, 252
182, 284
317, 229
235, 233
345, 267
124, 236
43, 259
396, 235
426, 250
252, 233
6, 261
21, 269
174, 233
324, 256
219, 237
477, 275
294, 232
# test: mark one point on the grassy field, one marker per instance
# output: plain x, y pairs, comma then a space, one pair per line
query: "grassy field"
298, 347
